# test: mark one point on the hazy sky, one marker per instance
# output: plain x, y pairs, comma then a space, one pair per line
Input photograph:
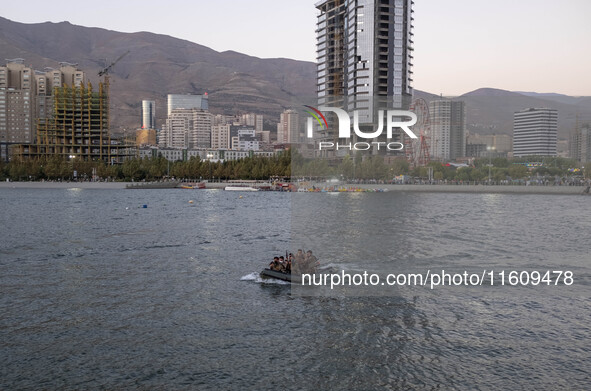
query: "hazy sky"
460, 45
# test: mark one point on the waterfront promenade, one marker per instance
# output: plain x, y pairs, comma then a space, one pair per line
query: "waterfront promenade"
63, 185
422, 188
491, 189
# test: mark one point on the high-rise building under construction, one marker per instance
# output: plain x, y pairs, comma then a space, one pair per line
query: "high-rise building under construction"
72, 119
364, 62
364, 52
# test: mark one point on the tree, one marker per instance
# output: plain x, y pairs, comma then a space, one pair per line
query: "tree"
132, 170
57, 168
115, 171
287, 170
219, 171
378, 168
517, 171
499, 174
194, 167
400, 167
83, 168
541, 171
3, 171
296, 157
101, 170
500, 162
157, 167
478, 174
463, 173
420, 172
346, 167
17, 170
33, 169
358, 158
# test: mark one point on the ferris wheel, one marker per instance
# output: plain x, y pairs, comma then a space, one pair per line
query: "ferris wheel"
417, 150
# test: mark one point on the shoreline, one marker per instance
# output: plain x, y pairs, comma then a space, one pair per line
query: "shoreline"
426, 188
481, 189
63, 185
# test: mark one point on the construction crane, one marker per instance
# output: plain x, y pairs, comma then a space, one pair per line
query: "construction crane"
105, 72
104, 91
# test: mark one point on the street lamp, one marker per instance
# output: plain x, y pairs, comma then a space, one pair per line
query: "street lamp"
489, 165
74, 173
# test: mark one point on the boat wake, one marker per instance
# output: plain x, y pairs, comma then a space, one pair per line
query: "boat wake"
256, 277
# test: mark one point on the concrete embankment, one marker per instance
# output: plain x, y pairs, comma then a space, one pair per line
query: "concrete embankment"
493, 189
63, 185
114, 185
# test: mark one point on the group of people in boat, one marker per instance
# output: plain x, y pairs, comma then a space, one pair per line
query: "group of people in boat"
299, 263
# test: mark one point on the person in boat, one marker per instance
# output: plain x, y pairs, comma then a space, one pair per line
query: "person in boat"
274, 265
300, 257
311, 262
288, 263
298, 262
300, 254
282, 263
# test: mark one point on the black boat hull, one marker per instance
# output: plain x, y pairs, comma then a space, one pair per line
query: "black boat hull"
268, 273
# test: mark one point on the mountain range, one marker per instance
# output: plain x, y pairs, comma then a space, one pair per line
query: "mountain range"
158, 65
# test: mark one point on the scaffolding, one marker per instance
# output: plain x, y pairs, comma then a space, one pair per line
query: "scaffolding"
78, 128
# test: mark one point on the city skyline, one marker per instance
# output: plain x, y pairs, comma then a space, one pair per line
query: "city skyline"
459, 46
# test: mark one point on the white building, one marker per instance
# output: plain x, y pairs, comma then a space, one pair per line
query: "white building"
174, 133
187, 128
448, 129
288, 128
220, 136
580, 144
200, 134
535, 132
254, 120
247, 140
17, 105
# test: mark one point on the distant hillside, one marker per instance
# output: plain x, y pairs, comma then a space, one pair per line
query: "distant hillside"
584, 101
158, 65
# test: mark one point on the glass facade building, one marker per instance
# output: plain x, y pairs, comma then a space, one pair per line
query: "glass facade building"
364, 53
188, 102
148, 114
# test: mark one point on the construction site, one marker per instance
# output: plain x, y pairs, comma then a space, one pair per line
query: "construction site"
78, 128
74, 121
